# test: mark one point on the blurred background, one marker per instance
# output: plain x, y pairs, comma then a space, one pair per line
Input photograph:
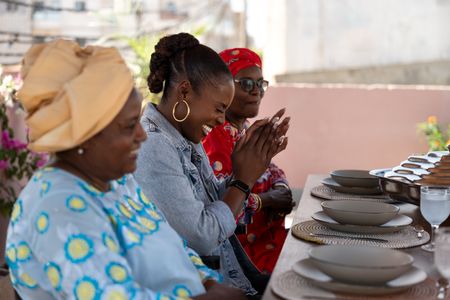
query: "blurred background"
366, 82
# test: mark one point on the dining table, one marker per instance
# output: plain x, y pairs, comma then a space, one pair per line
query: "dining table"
295, 249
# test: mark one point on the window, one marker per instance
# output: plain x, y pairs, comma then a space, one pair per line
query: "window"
80, 6
11, 7
38, 6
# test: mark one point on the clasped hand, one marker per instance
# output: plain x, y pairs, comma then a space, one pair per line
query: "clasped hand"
256, 148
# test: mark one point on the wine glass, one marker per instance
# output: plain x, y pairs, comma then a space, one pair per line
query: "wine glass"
435, 208
442, 258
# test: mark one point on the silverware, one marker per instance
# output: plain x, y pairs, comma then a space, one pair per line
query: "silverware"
348, 237
419, 229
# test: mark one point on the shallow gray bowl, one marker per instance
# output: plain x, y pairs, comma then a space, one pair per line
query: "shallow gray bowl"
354, 178
358, 212
359, 264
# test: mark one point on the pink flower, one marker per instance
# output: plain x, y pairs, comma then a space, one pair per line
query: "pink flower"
17, 145
5, 140
43, 158
4, 164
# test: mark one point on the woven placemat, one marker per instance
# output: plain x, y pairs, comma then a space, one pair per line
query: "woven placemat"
404, 238
327, 193
291, 286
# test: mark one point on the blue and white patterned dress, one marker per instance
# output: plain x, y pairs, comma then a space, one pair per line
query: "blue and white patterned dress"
68, 240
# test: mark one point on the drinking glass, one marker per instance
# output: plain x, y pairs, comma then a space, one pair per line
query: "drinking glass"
435, 208
442, 258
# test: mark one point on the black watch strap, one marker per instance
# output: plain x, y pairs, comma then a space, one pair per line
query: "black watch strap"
241, 186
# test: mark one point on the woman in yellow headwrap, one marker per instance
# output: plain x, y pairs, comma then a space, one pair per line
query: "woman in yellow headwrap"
82, 228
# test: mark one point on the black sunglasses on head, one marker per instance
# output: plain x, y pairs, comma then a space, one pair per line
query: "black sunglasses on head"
248, 84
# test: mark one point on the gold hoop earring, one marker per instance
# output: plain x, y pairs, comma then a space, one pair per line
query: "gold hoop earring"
187, 107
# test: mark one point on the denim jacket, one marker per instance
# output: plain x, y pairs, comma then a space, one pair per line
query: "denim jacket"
176, 174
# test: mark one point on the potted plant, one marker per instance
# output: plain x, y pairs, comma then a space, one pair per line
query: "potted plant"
437, 139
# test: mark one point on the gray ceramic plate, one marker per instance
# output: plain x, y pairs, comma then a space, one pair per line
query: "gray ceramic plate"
354, 178
329, 182
396, 224
306, 269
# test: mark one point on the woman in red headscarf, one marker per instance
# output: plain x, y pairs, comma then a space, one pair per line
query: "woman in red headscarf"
271, 198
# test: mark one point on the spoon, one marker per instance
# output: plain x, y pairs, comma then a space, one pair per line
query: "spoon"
419, 229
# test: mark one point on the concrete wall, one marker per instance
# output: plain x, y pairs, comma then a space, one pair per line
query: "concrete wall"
312, 35
362, 127
435, 73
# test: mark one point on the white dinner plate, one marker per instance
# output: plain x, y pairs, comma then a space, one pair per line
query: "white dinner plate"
306, 269
396, 224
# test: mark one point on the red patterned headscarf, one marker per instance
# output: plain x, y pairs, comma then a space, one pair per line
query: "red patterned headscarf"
240, 58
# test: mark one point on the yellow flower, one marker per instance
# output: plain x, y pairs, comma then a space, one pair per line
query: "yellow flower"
432, 120
447, 143
436, 143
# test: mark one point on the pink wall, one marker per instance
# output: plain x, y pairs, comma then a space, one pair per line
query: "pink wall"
361, 127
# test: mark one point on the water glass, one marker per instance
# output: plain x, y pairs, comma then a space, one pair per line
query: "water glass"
442, 258
435, 208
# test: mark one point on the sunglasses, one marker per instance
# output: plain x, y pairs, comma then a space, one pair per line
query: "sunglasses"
248, 84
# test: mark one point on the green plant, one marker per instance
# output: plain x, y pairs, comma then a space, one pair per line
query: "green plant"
436, 138
17, 163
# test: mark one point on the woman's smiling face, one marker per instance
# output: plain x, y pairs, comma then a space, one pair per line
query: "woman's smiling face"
113, 151
207, 109
246, 104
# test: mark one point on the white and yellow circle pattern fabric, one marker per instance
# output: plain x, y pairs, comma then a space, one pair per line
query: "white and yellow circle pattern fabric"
117, 272
110, 243
27, 280
23, 252
182, 291
76, 203
115, 293
42, 222
86, 288
11, 255
45, 187
54, 275
78, 248
16, 212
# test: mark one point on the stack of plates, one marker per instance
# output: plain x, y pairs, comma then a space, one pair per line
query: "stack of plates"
362, 270
361, 216
358, 182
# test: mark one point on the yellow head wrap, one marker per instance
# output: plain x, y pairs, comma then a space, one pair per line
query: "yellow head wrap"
71, 93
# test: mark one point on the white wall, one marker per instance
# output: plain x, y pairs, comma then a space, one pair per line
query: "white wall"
311, 35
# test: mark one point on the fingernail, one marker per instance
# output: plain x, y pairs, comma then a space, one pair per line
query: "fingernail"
275, 120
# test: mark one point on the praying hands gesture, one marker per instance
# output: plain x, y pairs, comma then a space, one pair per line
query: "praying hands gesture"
253, 153
255, 150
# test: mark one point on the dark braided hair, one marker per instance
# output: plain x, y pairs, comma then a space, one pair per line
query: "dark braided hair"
181, 55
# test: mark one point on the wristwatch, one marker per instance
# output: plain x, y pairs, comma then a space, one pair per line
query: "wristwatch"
241, 186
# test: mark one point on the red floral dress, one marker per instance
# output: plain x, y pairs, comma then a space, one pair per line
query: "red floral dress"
265, 236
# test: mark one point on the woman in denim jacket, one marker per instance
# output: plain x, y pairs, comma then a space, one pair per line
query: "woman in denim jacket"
197, 89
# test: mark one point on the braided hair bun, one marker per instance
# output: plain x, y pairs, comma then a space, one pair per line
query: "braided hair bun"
160, 63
